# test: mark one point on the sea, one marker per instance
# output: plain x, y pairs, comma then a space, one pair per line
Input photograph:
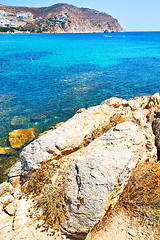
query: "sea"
46, 78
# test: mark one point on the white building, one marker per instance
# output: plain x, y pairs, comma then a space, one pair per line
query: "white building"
3, 13
23, 15
4, 22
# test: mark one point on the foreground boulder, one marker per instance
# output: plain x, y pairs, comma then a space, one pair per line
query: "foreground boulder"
18, 138
67, 138
96, 170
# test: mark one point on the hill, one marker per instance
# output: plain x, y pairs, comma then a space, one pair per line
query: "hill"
59, 18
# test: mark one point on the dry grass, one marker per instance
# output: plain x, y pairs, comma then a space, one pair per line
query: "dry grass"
142, 194
49, 198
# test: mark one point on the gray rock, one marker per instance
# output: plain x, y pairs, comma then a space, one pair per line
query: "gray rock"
16, 170
65, 139
96, 169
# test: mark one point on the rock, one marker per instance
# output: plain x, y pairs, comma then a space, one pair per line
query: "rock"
16, 170
6, 199
22, 214
17, 194
96, 169
80, 110
133, 104
50, 129
7, 151
140, 116
97, 150
5, 187
67, 138
153, 101
131, 233
18, 138
114, 101
16, 182
5, 226
149, 145
18, 120
38, 118
11, 208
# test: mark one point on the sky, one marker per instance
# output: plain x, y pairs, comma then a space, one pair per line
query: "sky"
133, 15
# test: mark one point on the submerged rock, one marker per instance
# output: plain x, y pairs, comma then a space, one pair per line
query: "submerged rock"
18, 120
18, 138
7, 151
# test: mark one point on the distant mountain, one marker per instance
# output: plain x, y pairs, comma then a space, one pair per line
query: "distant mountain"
59, 18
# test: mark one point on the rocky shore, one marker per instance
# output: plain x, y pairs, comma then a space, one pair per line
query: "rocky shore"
87, 163
59, 18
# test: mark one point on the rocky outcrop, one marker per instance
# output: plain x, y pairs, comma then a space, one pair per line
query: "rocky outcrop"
62, 18
18, 138
96, 170
96, 151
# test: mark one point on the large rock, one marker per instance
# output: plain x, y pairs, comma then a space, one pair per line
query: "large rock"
70, 136
96, 169
18, 138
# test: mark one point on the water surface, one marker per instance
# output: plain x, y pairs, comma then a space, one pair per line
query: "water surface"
46, 78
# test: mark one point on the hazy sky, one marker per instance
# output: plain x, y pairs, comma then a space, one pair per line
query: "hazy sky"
133, 15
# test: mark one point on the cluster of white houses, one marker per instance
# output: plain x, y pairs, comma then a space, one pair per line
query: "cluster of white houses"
7, 18
11, 19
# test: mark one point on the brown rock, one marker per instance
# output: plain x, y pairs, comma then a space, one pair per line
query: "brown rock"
18, 138
15, 181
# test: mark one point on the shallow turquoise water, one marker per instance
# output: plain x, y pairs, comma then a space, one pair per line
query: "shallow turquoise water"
71, 71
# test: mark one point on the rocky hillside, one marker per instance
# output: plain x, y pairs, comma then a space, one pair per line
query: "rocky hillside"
93, 174
59, 18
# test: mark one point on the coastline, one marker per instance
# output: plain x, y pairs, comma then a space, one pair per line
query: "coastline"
75, 153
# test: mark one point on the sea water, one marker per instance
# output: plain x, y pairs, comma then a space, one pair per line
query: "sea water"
46, 78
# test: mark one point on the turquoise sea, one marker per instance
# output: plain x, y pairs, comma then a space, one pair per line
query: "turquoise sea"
46, 78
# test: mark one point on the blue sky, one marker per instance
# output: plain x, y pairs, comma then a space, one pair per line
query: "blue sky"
133, 15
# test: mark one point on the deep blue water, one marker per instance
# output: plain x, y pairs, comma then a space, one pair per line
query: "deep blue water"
71, 71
